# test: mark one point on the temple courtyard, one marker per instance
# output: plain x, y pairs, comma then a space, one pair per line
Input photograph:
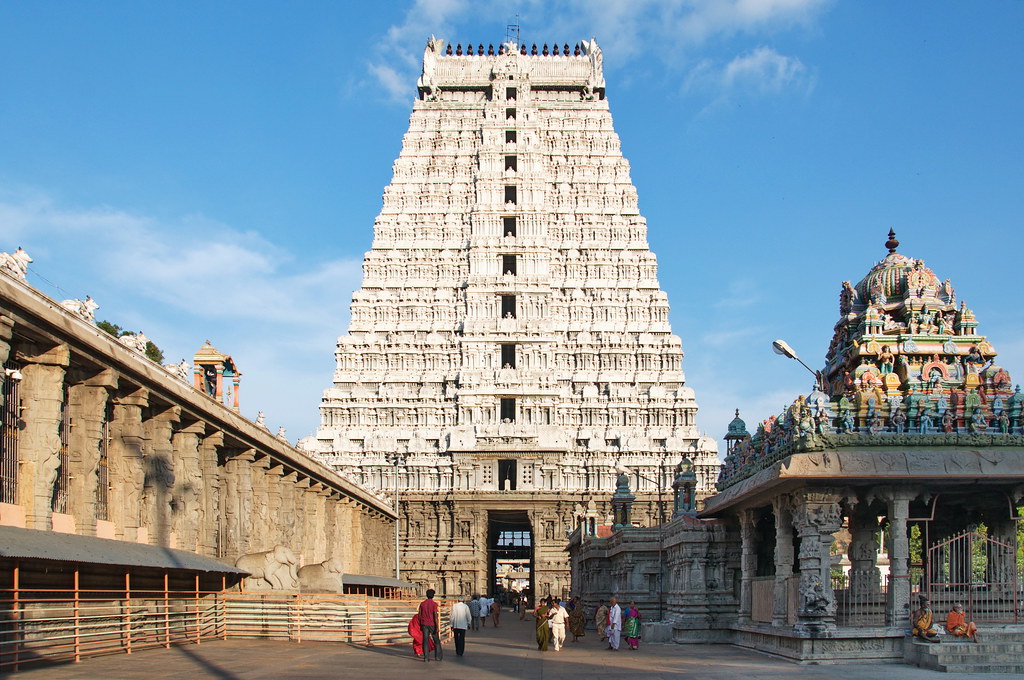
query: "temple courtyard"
508, 652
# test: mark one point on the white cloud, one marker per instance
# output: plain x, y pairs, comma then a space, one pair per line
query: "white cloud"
191, 278
669, 31
757, 73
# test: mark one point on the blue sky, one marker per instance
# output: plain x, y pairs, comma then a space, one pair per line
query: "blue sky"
213, 170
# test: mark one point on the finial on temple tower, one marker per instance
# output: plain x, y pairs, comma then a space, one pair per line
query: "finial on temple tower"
892, 244
512, 32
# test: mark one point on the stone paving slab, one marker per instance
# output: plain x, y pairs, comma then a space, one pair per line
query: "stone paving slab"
506, 653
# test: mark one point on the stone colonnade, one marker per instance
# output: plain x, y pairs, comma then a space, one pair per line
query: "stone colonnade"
107, 443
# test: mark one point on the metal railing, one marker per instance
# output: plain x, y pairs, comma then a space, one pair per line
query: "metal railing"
10, 414
69, 625
860, 598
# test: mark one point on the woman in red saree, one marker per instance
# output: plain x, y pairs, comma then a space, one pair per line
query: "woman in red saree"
416, 633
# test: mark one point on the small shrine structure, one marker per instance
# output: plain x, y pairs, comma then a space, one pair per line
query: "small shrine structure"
901, 474
215, 374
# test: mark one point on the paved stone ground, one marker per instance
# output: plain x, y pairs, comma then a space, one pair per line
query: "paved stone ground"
506, 653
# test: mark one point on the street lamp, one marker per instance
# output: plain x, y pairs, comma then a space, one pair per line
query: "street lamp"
783, 348
397, 459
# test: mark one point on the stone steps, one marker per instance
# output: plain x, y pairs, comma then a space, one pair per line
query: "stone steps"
1003, 654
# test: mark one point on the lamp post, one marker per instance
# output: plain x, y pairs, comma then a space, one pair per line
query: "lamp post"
620, 468
782, 347
397, 459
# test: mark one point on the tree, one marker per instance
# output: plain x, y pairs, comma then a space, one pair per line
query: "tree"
154, 353
111, 328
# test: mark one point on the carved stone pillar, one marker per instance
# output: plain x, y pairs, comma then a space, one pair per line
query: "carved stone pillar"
127, 439
782, 508
213, 526
816, 516
42, 395
863, 553
87, 401
189, 484
158, 486
236, 503
897, 601
748, 563
275, 504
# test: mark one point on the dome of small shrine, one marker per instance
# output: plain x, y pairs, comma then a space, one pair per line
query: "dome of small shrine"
894, 276
737, 428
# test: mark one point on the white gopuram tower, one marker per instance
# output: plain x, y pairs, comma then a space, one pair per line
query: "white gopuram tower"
510, 347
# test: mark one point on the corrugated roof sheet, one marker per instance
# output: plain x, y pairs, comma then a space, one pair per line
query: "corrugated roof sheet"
51, 545
364, 580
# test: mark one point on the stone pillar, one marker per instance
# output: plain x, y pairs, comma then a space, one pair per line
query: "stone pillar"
236, 503
187, 496
897, 601
282, 522
42, 395
127, 439
158, 486
210, 535
87, 399
816, 516
863, 553
748, 563
783, 510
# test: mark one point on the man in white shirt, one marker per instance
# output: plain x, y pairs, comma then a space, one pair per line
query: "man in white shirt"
614, 625
557, 618
459, 620
485, 609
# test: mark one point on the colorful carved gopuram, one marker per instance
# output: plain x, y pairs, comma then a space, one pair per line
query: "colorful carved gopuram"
906, 361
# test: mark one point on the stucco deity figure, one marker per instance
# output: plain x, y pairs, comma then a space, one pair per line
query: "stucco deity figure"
978, 421
848, 425
1003, 422
261, 420
281, 434
15, 264
876, 425
886, 360
927, 421
898, 420
974, 360
847, 298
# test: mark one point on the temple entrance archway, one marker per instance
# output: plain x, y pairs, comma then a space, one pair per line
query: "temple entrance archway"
509, 552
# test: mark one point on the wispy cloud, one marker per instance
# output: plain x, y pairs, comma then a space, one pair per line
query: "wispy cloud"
191, 278
673, 32
759, 72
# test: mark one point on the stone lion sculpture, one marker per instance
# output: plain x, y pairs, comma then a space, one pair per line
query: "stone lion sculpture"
271, 569
324, 577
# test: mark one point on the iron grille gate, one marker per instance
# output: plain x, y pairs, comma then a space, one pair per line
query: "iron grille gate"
980, 572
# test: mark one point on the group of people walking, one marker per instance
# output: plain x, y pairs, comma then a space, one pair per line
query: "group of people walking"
552, 619
611, 622
425, 626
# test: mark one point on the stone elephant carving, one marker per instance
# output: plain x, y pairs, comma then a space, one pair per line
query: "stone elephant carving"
271, 569
324, 577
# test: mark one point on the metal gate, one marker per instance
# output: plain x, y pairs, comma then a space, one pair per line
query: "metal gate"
980, 572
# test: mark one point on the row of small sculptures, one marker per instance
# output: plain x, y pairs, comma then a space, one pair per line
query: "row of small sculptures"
278, 569
815, 417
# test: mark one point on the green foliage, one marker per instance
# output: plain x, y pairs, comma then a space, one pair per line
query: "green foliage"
111, 328
154, 353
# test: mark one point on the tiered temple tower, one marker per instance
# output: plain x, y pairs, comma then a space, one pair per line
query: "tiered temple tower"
510, 345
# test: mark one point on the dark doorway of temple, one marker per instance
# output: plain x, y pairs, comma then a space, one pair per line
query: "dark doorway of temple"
510, 553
